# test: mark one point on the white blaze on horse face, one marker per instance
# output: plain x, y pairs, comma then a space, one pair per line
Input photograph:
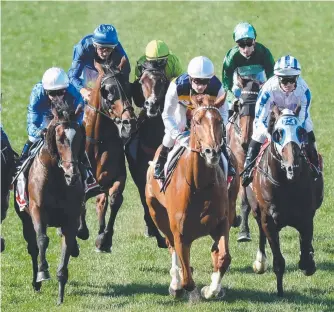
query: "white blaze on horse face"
70, 133
288, 124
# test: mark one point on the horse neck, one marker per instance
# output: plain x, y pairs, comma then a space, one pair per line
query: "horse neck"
198, 174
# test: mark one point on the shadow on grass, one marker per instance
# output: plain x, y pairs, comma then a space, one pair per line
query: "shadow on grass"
126, 293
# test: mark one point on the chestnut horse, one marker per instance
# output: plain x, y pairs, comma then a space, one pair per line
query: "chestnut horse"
8, 157
285, 194
109, 121
148, 138
195, 202
239, 132
56, 194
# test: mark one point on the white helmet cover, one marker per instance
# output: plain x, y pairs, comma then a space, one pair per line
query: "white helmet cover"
55, 78
287, 66
201, 67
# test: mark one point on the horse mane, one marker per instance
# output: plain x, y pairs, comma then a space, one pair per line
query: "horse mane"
62, 112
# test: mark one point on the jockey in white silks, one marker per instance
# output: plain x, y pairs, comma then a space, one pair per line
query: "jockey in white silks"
54, 86
199, 79
285, 90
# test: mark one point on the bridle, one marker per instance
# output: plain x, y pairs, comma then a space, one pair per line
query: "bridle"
199, 149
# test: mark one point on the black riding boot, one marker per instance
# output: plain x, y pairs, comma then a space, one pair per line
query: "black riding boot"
312, 153
159, 167
25, 151
230, 169
252, 153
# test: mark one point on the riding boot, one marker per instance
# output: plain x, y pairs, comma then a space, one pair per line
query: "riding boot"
230, 168
312, 154
159, 167
87, 174
252, 153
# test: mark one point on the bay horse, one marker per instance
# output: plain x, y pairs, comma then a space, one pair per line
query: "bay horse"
147, 139
56, 194
195, 203
8, 159
109, 121
239, 133
285, 194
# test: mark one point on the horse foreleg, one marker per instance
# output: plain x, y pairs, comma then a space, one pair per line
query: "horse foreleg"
260, 264
68, 243
306, 262
182, 249
221, 259
30, 237
83, 232
272, 234
244, 234
175, 288
42, 243
101, 210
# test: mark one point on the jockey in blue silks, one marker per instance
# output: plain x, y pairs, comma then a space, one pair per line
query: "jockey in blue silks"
103, 47
54, 86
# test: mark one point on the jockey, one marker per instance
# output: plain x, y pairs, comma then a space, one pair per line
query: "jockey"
286, 90
157, 56
54, 86
199, 79
248, 59
101, 46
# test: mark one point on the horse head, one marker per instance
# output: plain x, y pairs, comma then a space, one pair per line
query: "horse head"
247, 101
114, 95
64, 140
154, 85
207, 128
288, 136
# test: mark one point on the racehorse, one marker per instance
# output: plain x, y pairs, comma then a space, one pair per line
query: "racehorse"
149, 135
195, 203
239, 132
8, 157
109, 121
56, 194
286, 194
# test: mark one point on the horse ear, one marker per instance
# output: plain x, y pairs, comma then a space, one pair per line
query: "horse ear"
276, 111
143, 77
297, 110
54, 112
79, 110
220, 101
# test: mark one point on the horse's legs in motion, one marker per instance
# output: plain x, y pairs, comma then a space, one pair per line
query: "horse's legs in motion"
101, 210
68, 240
244, 235
272, 234
306, 262
260, 264
221, 260
30, 237
104, 240
83, 232
42, 243
148, 220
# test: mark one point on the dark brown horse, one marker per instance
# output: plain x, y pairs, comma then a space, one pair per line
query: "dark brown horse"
195, 202
56, 194
8, 157
147, 139
109, 122
239, 132
286, 194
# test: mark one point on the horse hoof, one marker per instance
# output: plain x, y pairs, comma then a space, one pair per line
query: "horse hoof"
75, 250
207, 293
103, 250
43, 276
244, 237
83, 234
260, 267
237, 221
37, 286
176, 293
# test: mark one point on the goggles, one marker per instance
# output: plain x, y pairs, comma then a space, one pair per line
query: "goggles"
56, 92
287, 79
244, 43
201, 81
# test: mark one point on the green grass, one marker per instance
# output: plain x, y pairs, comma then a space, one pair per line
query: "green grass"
135, 277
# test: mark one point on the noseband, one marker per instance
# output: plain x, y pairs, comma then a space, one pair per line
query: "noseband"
200, 148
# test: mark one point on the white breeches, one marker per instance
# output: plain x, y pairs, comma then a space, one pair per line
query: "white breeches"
181, 121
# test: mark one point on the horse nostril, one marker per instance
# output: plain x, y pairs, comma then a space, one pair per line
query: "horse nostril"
208, 151
126, 122
147, 104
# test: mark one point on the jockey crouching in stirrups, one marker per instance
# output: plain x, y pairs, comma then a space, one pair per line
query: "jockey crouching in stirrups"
54, 86
200, 79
